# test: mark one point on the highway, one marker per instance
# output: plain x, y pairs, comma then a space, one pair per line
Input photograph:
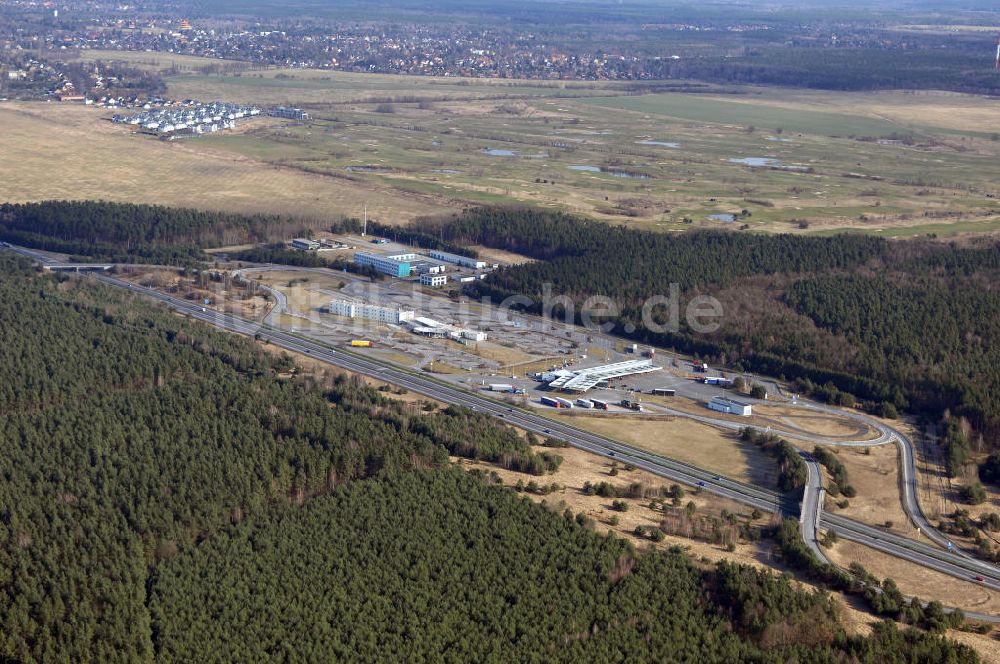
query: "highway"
956, 564
933, 557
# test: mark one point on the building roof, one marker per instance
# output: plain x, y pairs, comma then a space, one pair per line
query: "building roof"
726, 401
423, 321
584, 379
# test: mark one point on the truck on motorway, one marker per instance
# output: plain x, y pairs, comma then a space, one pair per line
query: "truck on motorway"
564, 403
584, 403
664, 392
361, 343
501, 387
599, 405
631, 405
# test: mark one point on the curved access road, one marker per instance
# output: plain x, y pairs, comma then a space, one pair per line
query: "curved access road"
764, 499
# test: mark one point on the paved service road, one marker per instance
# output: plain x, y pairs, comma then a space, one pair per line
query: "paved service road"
812, 506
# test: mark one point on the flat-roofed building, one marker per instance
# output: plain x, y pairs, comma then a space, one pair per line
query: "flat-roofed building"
731, 406
581, 380
464, 261
394, 265
303, 244
435, 280
355, 309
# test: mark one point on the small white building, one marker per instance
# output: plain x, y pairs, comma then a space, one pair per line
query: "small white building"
435, 280
355, 309
731, 406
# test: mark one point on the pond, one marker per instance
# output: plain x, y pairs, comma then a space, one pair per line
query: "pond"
618, 173
503, 152
728, 218
766, 162
664, 144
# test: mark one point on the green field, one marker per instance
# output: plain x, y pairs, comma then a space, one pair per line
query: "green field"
750, 111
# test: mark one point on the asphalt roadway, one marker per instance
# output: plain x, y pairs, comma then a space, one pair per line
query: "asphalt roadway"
951, 562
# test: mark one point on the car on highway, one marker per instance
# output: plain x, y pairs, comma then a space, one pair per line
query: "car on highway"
701, 483
611, 453
717, 478
548, 431
980, 578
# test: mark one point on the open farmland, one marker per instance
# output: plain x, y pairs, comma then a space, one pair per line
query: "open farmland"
769, 160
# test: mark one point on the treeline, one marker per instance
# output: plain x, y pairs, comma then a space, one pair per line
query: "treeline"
624, 259
83, 250
896, 333
792, 471
451, 426
838, 472
107, 230
958, 68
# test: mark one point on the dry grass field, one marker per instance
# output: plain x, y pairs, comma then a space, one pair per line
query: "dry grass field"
685, 440
876, 477
663, 162
53, 151
915, 580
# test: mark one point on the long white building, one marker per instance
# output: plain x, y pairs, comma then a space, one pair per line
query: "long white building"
354, 309
464, 261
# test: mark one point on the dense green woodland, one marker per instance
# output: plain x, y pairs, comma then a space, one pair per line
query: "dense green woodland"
909, 324
173, 493
130, 232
